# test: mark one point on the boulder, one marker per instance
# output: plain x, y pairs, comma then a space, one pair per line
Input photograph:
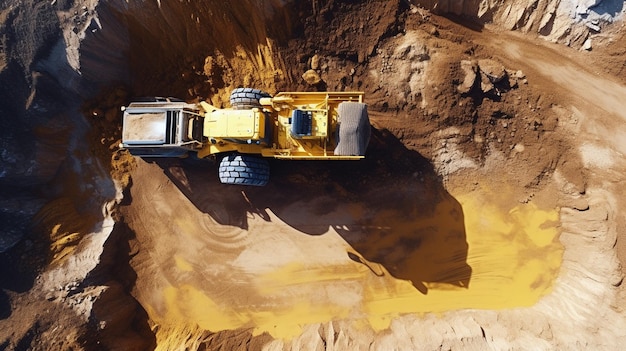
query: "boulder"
315, 62
485, 84
492, 69
311, 77
469, 69
594, 27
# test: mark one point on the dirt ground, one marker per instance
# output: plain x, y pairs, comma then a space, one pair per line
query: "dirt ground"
346, 240
487, 214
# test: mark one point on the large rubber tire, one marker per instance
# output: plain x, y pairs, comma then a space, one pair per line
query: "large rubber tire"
244, 170
246, 98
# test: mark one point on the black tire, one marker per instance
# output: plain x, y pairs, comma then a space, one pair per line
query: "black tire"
244, 170
246, 98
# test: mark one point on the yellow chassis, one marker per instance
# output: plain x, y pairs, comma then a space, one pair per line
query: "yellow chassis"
224, 125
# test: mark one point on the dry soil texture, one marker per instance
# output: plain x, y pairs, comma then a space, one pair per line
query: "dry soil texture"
488, 213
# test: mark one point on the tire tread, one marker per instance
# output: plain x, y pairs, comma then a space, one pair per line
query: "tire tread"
244, 170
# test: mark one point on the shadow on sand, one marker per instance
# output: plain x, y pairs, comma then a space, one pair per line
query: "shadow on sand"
391, 208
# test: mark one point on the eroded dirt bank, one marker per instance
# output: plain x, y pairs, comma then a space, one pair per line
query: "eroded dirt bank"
486, 215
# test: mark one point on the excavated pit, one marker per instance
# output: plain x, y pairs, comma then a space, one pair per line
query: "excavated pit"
475, 220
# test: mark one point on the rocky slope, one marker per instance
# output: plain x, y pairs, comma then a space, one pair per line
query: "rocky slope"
571, 22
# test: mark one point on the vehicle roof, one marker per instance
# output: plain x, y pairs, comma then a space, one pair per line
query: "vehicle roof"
162, 105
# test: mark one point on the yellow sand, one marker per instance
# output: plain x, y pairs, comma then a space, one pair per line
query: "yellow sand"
514, 255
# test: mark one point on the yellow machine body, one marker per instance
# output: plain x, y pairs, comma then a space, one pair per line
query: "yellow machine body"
269, 130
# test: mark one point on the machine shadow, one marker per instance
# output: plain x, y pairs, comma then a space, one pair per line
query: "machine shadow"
391, 208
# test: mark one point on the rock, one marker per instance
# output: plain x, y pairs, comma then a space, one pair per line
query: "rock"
470, 69
515, 77
485, 83
492, 69
315, 62
593, 27
97, 112
587, 45
311, 77
582, 10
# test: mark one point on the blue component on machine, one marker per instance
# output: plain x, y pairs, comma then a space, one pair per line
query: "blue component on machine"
301, 123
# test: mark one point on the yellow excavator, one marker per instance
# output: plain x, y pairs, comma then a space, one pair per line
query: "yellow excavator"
288, 125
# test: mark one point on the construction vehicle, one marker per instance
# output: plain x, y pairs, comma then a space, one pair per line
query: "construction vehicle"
289, 125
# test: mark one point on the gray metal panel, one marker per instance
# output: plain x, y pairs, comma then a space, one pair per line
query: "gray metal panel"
354, 129
144, 128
